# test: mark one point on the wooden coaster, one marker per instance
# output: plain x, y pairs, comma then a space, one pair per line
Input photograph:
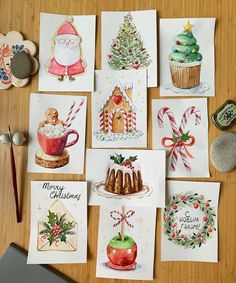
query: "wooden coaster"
51, 161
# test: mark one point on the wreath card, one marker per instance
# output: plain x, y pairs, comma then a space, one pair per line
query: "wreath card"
58, 222
126, 177
180, 126
190, 222
119, 109
187, 63
57, 126
67, 52
129, 42
126, 242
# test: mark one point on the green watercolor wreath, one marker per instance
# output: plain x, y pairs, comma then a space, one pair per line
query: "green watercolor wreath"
196, 201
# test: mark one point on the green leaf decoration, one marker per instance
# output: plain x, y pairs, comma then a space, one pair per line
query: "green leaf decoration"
44, 231
51, 238
174, 138
117, 158
132, 158
63, 238
185, 137
52, 218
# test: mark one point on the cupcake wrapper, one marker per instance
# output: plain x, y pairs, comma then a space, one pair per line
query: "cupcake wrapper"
185, 77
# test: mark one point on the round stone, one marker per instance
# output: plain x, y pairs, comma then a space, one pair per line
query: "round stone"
223, 152
21, 65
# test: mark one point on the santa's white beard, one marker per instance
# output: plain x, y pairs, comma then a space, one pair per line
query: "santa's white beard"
67, 55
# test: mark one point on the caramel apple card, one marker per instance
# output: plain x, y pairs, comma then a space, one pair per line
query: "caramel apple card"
190, 222
57, 133
187, 64
126, 177
127, 44
119, 109
126, 242
180, 126
58, 222
67, 52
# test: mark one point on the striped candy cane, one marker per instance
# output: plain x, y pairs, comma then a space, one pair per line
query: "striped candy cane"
191, 110
75, 113
110, 124
70, 112
101, 116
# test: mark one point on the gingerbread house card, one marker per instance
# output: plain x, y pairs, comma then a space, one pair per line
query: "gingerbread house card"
119, 109
58, 222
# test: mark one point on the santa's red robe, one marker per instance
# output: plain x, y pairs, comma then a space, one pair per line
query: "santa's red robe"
56, 69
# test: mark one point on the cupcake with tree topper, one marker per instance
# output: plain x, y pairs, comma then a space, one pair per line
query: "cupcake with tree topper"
185, 59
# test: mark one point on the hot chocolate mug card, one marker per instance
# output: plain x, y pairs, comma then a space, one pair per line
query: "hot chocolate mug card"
129, 42
119, 109
126, 242
126, 177
58, 222
67, 52
190, 222
180, 126
57, 126
187, 60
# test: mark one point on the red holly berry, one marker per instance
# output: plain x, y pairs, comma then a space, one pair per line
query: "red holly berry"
177, 42
174, 225
168, 218
209, 229
174, 206
205, 218
173, 235
182, 197
181, 236
196, 205
199, 235
207, 204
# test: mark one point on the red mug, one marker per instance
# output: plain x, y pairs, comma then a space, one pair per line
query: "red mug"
56, 145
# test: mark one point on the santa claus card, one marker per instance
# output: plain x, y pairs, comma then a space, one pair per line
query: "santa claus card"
67, 52
119, 109
190, 222
58, 222
57, 133
126, 242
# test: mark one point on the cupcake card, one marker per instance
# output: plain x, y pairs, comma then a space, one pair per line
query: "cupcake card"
58, 222
126, 242
119, 109
67, 52
127, 44
180, 126
126, 177
57, 126
187, 63
190, 222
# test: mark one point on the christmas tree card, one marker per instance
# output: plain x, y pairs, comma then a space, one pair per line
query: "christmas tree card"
57, 126
126, 177
119, 109
126, 242
129, 42
180, 126
67, 52
187, 60
190, 222
58, 222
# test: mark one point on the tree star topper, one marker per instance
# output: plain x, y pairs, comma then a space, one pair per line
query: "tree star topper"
188, 27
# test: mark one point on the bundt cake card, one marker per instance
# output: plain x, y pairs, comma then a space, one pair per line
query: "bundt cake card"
126, 177
190, 222
119, 109
126, 242
57, 125
129, 42
58, 222
67, 52
180, 126
187, 60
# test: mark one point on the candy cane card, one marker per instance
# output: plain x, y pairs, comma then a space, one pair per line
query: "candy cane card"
190, 222
180, 126
126, 242
57, 133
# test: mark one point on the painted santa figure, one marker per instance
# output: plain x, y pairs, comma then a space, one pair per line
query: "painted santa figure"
67, 56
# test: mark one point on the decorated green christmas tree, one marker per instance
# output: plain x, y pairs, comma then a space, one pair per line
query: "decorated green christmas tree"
127, 49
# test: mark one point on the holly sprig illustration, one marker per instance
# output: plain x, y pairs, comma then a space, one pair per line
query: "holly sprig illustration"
119, 159
194, 201
184, 137
56, 228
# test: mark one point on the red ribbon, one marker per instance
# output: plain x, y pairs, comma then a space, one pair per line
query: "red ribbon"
122, 217
178, 143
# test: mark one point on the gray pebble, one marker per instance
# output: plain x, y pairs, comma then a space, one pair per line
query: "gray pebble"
21, 65
223, 152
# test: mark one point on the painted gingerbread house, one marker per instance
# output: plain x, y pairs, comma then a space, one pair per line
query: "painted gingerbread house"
118, 113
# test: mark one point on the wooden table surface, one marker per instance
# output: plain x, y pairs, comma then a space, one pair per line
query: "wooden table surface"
23, 16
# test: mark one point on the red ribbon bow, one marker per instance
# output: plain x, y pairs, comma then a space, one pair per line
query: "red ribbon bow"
120, 217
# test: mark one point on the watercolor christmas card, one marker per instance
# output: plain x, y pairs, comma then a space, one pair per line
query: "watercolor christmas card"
119, 109
187, 63
126, 177
57, 126
190, 222
67, 52
129, 42
180, 126
126, 242
58, 222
